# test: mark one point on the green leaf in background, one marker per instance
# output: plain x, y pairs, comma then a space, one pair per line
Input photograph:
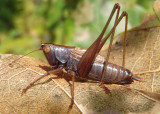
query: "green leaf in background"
24, 24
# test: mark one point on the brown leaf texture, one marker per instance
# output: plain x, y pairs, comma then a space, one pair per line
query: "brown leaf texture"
142, 58
53, 95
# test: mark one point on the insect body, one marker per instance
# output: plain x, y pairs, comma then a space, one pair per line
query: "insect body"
87, 63
69, 57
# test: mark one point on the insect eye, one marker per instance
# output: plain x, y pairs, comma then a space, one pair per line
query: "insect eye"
46, 49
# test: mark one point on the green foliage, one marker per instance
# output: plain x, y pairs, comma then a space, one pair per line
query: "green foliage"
9, 9
138, 15
145, 3
24, 24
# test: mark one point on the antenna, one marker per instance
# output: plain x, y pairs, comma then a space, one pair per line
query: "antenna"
19, 58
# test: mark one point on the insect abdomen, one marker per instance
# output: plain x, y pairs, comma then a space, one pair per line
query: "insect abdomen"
114, 74
118, 75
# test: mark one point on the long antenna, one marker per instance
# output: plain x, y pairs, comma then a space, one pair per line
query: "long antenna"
19, 58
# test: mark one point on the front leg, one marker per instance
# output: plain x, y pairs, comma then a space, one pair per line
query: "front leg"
55, 71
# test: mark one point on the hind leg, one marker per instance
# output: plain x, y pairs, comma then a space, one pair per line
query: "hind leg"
107, 91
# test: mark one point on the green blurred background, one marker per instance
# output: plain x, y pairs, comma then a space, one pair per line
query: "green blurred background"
25, 23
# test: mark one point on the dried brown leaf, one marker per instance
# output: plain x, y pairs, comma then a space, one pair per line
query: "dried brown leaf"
142, 58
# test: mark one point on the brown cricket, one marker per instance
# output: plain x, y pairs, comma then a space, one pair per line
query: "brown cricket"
87, 63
